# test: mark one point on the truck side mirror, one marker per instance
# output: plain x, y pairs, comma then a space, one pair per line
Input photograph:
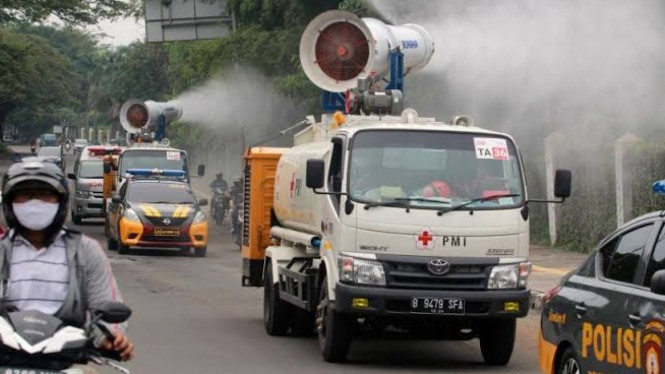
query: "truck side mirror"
201, 170
562, 180
314, 175
117, 199
71, 176
658, 282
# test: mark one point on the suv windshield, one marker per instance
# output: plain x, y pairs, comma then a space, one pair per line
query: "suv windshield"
157, 159
93, 169
434, 169
158, 192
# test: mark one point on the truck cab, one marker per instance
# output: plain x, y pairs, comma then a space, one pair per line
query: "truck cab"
150, 157
395, 221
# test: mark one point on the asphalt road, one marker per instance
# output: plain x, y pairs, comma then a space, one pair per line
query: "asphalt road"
191, 315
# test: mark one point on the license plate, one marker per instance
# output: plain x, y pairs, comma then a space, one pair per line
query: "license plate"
428, 305
8, 370
165, 231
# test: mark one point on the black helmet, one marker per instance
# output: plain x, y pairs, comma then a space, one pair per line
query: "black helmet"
35, 175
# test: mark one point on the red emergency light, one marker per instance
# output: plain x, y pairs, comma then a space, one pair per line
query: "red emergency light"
101, 151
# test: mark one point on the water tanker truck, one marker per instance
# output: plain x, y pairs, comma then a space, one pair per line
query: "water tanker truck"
379, 219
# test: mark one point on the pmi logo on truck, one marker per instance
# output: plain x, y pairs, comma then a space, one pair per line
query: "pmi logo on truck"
454, 241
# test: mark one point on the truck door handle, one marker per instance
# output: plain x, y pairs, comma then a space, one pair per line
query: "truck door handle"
580, 309
634, 319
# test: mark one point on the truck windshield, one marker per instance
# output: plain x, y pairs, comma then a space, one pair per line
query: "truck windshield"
434, 169
157, 159
155, 192
93, 169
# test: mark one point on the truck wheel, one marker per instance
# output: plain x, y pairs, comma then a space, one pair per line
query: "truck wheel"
200, 252
276, 312
303, 323
497, 338
335, 330
568, 363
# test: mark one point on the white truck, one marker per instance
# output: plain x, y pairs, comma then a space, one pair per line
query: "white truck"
390, 222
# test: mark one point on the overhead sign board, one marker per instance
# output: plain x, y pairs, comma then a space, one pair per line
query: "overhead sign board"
180, 20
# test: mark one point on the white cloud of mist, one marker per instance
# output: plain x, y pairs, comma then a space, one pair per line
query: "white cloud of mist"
536, 64
237, 111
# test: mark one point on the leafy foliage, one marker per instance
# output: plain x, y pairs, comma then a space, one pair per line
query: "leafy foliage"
35, 79
70, 11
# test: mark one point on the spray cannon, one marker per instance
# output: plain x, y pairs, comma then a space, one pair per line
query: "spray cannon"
337, 48
136, 116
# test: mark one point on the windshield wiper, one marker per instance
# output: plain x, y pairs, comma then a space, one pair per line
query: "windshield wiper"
399, 202
424, 200
477, 199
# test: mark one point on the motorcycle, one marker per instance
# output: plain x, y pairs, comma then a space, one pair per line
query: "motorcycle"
38, 343
219, 205
33, 149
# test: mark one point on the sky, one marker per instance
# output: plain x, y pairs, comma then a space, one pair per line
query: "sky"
121, 32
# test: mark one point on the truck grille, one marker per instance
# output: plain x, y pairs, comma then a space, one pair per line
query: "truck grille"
414, 274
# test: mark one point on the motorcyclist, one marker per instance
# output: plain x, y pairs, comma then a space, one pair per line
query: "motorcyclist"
220, 198
219, 182
236, 199
62, 272
33, 146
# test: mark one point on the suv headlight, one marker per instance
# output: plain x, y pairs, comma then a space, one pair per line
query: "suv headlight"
199, 217
360, 271
83, 194
130, 215
509, 276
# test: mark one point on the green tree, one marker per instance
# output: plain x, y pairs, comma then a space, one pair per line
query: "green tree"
70, 11
36, 81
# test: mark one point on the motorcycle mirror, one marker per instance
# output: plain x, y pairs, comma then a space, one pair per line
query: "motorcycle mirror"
113, 312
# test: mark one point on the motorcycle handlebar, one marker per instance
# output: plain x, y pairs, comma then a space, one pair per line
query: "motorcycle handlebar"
112, 355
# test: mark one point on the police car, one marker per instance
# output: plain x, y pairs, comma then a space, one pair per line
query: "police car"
608, 315
157, 209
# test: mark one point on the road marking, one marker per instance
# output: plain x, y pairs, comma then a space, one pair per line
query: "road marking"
556, 271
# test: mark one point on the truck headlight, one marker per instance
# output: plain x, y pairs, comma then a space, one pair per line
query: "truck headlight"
509, 276
83, 194
130, 215
360, 271
199, 217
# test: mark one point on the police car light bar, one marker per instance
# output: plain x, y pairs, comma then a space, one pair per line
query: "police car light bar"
156, 172
659, 187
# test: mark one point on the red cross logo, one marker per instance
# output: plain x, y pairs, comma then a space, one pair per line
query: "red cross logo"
425, 239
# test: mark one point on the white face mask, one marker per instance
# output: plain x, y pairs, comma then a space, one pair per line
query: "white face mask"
35, 214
